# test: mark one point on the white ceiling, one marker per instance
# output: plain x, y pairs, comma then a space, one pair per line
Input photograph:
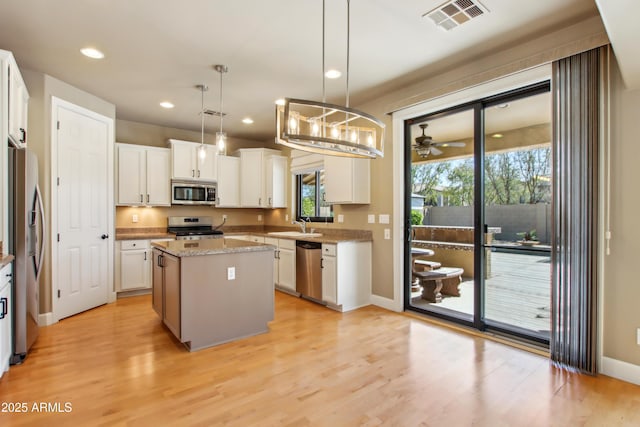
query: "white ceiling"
159, 50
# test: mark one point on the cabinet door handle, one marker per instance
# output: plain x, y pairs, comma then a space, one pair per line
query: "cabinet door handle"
323, 195
269, 201
147, 197
321, 262
259, 201
24, 135
160, 261
193, 173
145, 255
141, 198
198, 173
4, 302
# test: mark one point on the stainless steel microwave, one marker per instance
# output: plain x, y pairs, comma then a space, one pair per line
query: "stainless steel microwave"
191, 193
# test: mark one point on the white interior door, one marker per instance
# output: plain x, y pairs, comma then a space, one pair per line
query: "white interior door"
84, 248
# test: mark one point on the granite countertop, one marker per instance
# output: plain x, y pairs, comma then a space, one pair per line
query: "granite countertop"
5, 259
184, 248
334, 236
143, 233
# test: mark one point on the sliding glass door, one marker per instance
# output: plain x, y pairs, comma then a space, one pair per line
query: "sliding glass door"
478, 195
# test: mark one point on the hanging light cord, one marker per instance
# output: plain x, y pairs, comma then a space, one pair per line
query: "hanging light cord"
324, 93
202, 115
348, 44
221, 113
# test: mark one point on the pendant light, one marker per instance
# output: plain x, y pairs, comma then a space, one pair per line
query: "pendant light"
221, 137
330, 129
202, 150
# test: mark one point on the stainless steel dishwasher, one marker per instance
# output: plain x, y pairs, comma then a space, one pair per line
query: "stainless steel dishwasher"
308, 270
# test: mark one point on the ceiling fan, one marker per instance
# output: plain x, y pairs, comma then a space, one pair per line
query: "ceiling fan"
425, 145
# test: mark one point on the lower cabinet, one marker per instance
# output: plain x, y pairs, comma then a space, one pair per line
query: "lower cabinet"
5, 318
166, 290
284, 265
346, 275
133, 264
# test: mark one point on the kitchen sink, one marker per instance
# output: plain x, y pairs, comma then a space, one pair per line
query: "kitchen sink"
293, 234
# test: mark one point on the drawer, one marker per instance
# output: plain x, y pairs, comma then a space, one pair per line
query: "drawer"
127, 245
329, 250
287, 244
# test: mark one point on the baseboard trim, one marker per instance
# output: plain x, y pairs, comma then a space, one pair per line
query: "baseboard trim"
385, 303
621, 370
46, 319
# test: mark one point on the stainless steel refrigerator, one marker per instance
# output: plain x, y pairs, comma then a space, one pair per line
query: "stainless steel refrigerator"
26, 243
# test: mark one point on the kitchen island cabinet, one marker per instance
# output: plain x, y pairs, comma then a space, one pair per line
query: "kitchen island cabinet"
208, 292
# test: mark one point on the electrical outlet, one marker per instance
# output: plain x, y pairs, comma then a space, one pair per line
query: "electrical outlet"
387, 233
224, 217
286, 217
383, 219
259, 217
231, 273
340, 218
134, 218
638, 336
371, 219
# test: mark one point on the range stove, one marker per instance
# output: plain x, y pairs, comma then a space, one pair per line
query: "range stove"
193, 227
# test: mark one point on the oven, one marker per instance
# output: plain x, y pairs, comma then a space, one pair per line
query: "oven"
190, 193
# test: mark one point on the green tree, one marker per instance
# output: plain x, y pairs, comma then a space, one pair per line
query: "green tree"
502, 185
460, 190
535, 169
425, 178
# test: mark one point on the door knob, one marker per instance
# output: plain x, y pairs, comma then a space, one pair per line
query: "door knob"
104, 236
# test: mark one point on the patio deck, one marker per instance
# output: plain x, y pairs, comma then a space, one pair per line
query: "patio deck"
517, 293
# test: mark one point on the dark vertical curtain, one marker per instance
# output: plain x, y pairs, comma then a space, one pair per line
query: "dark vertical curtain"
576, 91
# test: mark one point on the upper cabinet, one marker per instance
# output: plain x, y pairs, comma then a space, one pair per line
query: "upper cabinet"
262, 178
228, 182
15, 99
143, 175
187, 164
347, 180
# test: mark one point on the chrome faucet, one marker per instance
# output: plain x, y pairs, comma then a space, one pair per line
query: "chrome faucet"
302, 224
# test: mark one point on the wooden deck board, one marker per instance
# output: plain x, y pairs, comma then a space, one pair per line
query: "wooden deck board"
517, 293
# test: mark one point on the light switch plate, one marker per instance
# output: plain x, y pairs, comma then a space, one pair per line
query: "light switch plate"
383, 219
387, 233
231, 273
340, 218
134, 218
371, 219
638, 336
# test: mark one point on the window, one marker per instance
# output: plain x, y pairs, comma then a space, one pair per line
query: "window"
310, 197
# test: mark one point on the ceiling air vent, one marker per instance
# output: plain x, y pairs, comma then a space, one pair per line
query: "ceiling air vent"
214, 113
454, 13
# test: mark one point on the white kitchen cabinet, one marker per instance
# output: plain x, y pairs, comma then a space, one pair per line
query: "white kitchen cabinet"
228, 195
15, 100
188, 165
347, 180
256, 184
346, 275
5, 318
143, 175
276, 181
134, 264
284, 266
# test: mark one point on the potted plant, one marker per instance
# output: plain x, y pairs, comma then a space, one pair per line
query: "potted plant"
529, 238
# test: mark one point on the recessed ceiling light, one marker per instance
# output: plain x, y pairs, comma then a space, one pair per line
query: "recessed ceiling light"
332, 74
166, 104
247, 120
280, 101
496, 135
92, 53
505, 105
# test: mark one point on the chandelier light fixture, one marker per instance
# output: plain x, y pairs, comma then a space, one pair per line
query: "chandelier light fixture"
202, 150
221, 137
330, 129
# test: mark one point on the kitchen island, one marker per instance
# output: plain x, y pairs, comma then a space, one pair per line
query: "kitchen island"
212, 291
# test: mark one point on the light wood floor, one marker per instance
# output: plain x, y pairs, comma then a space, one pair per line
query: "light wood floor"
117, 365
